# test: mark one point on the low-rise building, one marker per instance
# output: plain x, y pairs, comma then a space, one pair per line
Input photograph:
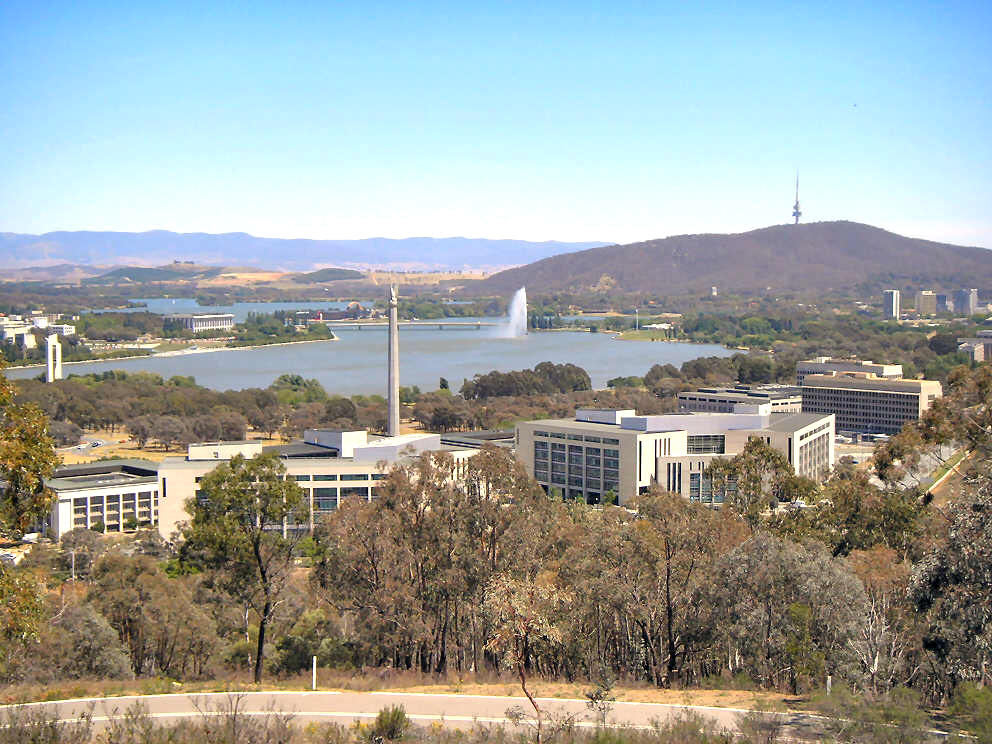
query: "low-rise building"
782, 398
203, 321
618, 454
109, 496
979, 347
330, 465
867, 403
830, 365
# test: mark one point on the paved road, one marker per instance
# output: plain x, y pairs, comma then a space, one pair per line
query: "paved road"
456, 711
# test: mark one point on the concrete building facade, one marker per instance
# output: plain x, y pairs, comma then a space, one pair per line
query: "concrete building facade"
111, 496
831, 365
966, 301
196, 322
926, 303
53, 359
781, 398
866, 403
890, 304
330, 466
602, 453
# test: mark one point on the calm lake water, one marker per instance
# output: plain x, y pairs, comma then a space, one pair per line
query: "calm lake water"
166, 305
356, 364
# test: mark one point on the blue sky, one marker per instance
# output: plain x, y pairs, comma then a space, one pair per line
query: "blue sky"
557, 120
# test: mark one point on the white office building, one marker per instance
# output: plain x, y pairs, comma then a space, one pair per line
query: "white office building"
108, 496
203, 321
890, 303
330, 465
617, 453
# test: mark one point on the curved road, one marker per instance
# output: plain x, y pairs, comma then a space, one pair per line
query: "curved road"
456, 711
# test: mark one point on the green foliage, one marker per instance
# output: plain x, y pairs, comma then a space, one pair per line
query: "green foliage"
390, 724
632, 382
27, 457
293, 389
971, 709
236, 531
545, 378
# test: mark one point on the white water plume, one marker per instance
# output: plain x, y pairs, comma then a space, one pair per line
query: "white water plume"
516, 317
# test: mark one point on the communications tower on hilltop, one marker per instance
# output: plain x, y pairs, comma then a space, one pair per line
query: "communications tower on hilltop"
796, 213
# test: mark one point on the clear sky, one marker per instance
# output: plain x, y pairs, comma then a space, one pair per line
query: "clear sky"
616, 121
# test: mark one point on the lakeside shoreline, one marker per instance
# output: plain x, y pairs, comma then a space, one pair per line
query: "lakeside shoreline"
177, 352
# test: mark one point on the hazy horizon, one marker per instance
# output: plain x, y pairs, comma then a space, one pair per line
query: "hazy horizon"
566, 122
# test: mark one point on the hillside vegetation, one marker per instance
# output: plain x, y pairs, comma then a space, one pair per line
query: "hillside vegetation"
819, 256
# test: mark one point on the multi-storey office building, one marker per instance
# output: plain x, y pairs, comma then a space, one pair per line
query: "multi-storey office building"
890, 303
617, 453
330, 466
866, 403
966, 301
926, 302
830, 365
110, 496
782, 398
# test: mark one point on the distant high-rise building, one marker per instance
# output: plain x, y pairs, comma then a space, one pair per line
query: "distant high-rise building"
926, 302
966, 301
713, 292
890, 303
945, 303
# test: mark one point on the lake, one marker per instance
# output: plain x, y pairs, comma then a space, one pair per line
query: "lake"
240, 310
356, 363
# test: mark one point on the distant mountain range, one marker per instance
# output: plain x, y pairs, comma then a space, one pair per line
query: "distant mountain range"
816, 256
162, 247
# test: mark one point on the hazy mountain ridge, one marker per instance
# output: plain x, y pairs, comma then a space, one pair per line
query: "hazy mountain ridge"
814, 256
159, 247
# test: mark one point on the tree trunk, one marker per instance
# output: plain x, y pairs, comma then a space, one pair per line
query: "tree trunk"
262, 622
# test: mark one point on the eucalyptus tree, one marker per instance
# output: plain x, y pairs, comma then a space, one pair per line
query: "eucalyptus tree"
244, 529
27, 457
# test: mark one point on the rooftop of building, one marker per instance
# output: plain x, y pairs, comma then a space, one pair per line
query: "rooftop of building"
200, 315
477, 439
102, 474
866, 380
770, 392
694, 423
791, 422
301, 449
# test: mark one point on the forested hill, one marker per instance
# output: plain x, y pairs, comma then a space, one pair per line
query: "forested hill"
161, 247
817, 256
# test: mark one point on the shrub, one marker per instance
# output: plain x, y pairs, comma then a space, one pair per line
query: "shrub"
391, 724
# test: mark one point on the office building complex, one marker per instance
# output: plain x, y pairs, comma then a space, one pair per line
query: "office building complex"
890, 303
966, 301
979, 347
867, 403
782, 398
616, 453
203, 321
830, 365
330, 465
108, 496
926, 303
